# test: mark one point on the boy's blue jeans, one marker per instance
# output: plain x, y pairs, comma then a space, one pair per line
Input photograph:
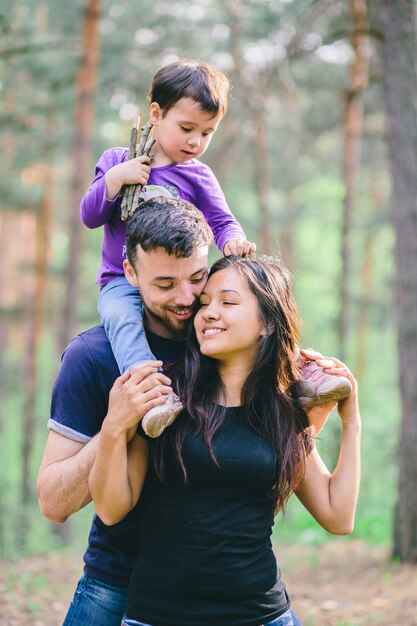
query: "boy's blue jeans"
95, 602
289, 618
121, 311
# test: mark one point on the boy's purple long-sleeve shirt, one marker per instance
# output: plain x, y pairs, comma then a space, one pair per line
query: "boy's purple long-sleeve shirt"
193, 181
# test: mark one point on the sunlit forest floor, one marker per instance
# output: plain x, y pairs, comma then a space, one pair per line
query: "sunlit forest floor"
341, 583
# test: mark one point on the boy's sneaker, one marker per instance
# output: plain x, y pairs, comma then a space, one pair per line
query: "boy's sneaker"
317, 387
159, 417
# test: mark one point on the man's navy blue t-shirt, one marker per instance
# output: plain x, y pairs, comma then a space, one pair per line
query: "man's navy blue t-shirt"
79, 405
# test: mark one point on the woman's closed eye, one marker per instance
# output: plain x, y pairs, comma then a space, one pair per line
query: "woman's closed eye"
225, 302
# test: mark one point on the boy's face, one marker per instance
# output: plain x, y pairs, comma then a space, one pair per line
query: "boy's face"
183, 133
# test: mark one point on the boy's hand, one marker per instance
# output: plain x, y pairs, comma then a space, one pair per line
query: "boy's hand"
133, 172
136, 171
240, 247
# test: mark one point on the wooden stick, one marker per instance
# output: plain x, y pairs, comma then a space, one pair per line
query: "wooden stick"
143, 148
131, 155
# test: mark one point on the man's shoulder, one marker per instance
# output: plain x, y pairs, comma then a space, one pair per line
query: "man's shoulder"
92, 343
93, 346
93, 338
81, 389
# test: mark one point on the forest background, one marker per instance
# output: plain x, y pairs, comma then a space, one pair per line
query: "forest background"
306, 159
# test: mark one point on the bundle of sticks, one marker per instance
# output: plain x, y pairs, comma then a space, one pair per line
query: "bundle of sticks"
131, 193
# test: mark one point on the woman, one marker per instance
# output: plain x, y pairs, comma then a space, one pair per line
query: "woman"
218, 475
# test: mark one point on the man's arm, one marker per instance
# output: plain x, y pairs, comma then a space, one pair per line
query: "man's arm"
62, 483
78, 406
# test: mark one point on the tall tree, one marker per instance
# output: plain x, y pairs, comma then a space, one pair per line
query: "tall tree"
396, 19
252, 93
32, 333
352, 128
85, 90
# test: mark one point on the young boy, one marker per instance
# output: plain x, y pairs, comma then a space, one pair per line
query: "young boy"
188, 100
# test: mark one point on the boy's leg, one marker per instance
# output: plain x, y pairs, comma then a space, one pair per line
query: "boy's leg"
121, 311
95, 602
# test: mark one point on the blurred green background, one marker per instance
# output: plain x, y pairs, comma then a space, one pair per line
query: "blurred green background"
282, 156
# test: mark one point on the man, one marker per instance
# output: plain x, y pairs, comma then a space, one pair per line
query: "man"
167, 242
167, 246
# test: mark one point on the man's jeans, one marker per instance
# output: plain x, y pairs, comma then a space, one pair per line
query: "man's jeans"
289, 618
96, 603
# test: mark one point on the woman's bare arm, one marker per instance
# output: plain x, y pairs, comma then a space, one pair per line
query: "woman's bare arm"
331, 498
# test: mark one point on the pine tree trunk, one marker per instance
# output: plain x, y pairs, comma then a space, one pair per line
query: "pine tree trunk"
252, 99
367, 285
5, 240
32, 332
396, 19
353, 126
85, 90
366, 279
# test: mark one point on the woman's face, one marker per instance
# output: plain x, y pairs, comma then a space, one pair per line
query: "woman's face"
228, 324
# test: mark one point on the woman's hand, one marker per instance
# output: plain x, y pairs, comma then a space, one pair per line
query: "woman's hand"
348, 408
132, 395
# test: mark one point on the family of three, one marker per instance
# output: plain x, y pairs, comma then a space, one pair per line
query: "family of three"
182, 530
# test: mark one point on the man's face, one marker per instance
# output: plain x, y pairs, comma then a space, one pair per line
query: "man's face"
170, 288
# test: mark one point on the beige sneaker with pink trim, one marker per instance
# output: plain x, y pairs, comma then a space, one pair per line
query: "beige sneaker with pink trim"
318, 387
160, 417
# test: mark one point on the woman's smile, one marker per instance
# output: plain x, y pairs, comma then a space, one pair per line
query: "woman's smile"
212, 331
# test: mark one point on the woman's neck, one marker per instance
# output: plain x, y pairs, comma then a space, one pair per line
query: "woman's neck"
233, 376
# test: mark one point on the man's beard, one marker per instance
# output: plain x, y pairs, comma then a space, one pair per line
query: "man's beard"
178, 329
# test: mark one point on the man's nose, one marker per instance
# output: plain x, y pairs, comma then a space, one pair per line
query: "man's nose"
185, 295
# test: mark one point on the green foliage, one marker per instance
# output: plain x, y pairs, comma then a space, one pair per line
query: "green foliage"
298, 69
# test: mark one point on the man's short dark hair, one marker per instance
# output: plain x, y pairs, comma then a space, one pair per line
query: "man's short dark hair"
204, 83
170, 223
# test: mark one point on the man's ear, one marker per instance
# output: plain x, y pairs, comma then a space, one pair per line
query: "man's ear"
155, 113
130, 273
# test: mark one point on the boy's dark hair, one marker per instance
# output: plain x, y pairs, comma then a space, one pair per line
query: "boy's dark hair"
205, 84
170, 223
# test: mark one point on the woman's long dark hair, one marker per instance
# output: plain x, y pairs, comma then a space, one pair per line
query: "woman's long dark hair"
268, 396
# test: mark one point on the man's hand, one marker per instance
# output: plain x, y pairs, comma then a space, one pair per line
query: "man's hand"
240, 247
132, 395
